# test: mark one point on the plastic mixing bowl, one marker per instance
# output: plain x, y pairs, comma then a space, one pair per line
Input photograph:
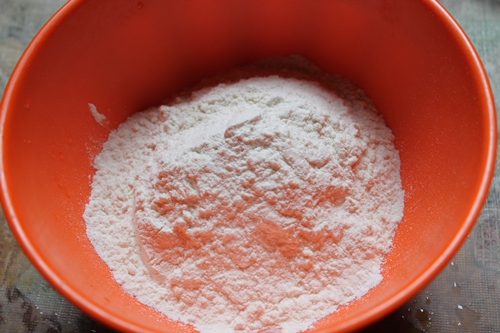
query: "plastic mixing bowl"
409, 56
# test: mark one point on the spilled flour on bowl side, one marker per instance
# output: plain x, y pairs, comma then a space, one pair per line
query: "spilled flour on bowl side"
260, 203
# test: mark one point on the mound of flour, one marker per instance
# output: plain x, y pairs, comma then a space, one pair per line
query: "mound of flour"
258, 204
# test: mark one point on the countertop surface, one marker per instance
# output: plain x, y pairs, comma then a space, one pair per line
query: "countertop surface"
464, 297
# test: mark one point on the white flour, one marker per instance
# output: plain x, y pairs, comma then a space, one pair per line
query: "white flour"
264, 203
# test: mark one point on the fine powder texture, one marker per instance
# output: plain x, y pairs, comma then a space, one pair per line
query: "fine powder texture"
260, 203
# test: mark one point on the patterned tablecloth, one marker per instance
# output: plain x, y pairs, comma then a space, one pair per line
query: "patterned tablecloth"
465, 297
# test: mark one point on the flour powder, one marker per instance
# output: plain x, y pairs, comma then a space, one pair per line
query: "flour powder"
259, 203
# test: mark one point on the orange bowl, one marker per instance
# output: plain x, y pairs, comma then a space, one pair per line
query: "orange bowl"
410, 57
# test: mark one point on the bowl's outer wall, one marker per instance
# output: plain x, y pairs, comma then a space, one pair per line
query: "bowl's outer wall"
409, 56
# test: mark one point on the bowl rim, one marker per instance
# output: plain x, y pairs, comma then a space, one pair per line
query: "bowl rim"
36, 258
376, 313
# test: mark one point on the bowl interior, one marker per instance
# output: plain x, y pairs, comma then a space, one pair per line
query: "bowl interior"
408, 56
